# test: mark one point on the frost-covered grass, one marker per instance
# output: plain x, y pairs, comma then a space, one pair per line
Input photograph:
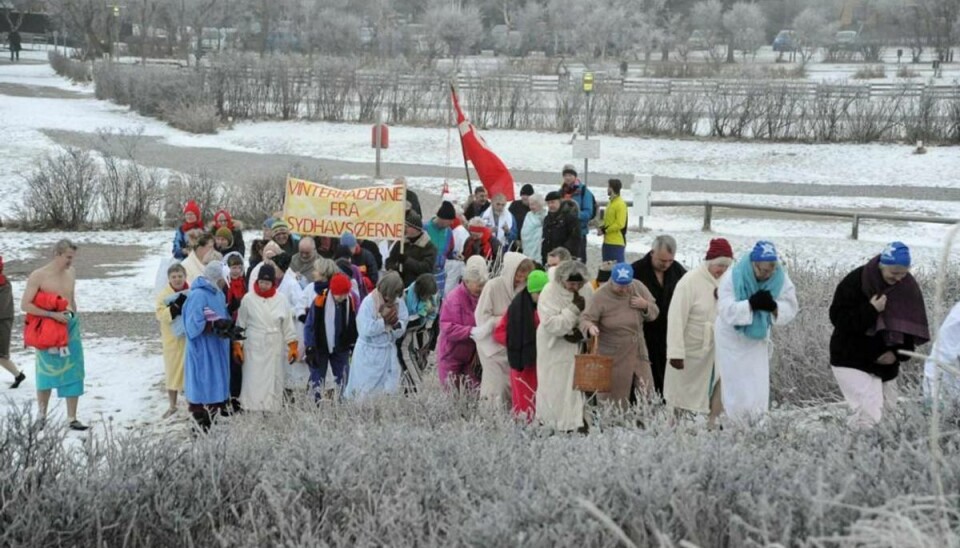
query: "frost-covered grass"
432, 470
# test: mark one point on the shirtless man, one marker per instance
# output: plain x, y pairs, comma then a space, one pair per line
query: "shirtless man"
54, 369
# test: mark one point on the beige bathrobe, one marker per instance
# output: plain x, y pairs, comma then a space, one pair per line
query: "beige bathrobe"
693, 312
621, 336
494, 301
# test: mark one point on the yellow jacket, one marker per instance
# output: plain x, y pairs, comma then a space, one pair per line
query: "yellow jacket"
174, 348
614, 221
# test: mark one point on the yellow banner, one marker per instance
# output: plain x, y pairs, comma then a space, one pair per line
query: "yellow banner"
370, 213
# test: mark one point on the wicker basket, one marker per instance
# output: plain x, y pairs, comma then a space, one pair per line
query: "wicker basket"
592, 372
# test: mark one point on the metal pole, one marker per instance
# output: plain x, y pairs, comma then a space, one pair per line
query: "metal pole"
707, 216
377, 138
855, 232
463, 150
586, 137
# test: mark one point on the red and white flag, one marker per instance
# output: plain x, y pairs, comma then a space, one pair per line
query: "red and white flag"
494, 175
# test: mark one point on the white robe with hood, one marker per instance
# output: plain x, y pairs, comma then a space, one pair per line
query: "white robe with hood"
558, 406
744, 363
492, 305
269, 329
504, 226
946, 349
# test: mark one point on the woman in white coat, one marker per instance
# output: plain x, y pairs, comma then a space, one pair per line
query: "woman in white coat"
692, 383
270, 345
494, 301
531, 233
754, 295
381, 322
561, 303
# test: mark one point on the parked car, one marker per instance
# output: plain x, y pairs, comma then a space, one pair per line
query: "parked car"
846, 39
786, 41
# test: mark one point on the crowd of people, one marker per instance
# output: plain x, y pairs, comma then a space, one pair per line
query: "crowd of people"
501, 297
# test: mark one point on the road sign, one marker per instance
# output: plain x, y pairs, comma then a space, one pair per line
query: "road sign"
642, 186
586, 149
588, 82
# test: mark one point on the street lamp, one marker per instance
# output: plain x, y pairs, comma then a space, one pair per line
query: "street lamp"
588, 90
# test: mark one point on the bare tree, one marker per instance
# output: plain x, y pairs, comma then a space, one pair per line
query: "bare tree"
706, 17
144, 12
90, 19
458, 29
745, 23
16, 9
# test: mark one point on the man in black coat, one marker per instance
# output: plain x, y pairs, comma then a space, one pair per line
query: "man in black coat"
419, 255
877, 310
478, 204
561, 227
520, 208
660, 273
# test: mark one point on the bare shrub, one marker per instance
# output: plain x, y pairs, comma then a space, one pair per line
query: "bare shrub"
192, 116
76, 70
905, 71
130, 194
202, 187
870, 72
254, 199
61, 191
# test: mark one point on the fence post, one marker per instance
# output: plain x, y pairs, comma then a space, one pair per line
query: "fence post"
707, 216
855, 231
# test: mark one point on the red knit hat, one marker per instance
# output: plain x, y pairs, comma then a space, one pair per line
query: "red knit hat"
340, 284
719, 247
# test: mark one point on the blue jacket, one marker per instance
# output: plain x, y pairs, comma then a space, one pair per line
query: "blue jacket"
584, 200
179, 245
207, 367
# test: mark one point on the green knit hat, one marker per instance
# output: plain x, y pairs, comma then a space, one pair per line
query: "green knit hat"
536, 281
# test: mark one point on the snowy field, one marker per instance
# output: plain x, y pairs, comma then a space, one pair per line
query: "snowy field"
124, 373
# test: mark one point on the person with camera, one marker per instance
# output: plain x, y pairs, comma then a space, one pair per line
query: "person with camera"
209, 329
270, 344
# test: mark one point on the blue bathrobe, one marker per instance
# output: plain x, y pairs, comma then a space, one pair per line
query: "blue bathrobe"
375, 368
207, 369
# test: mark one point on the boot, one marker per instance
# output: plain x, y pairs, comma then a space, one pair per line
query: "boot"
18, 379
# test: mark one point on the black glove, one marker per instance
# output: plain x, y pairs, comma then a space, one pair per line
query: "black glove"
175, 310
309, 356
181, 298
579, 301
233, 306
763, 301
575, 336
302, 318
401, 258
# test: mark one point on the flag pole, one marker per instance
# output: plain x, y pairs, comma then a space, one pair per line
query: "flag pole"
463, 151
403, 235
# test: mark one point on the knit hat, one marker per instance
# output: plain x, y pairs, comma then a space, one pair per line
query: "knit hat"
348, 240
268, 223
764, 252
413, 220
282, 261
340, 284
569, 169
267, 273
226, 234
526, 190
213, 272
895, 254
622, 274
536, 281
233, 258
719, 247
553, 195
192, 207
476, 267
280, 226
447, 212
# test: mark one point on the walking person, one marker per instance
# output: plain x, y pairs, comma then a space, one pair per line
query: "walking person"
755, 295
169, 312
531, 232
456, 349
614, 228
6, 329
223, 220
561, 303
50, 296
478, 205
616, 315
494, 301
271, 343
419, 255
877, 310
198, 257
560, 227
517, 332
575, 190
331, 330
692, 382
945, 350
500, 222
423, 306
16, 44
191, 222
381, 322
660, 273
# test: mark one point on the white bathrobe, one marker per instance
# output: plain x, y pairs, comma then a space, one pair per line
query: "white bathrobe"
559, 406
494, 301
945, 349
690, 325
269, 325
744, 363
503, 226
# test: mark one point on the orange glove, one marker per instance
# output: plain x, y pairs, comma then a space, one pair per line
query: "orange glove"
238, 351
293, 351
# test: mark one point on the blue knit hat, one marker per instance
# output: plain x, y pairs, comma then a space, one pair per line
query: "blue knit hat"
348, 240
764, 252
622, 274
895, 254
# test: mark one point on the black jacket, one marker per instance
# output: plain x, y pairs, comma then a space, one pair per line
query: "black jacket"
561, 229
519, 211
473, 210
420, 257
367, 264
655, 332
852, 315
374, 250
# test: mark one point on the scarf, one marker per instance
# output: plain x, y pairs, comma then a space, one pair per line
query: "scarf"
237, 289
186, 286
522, 322
268, 294
904, 314
481, 246
745, 284
320, 288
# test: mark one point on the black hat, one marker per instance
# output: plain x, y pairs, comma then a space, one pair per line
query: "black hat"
282, 261
267, 273
569, 170
414, 220
553, 195
447, 212
526, 190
